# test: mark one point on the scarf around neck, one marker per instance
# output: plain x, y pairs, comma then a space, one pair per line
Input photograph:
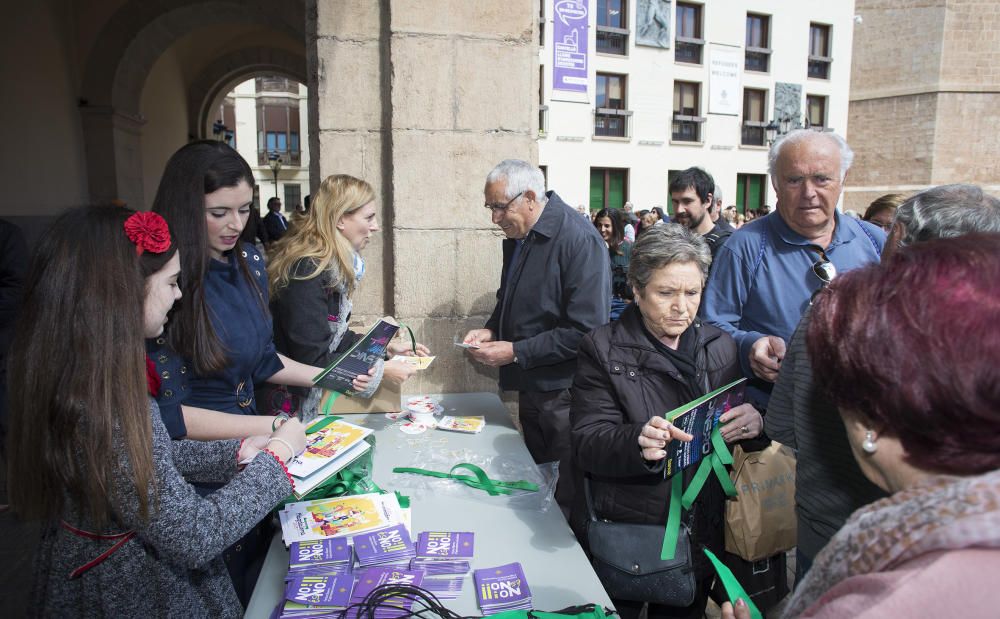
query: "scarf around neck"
939, 513
359, 267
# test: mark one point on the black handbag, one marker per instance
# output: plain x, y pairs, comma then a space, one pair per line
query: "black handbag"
626, 557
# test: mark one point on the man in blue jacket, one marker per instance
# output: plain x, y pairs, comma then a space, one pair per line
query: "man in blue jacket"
554, 288
763, 278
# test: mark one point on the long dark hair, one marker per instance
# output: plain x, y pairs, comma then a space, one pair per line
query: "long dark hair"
194, 171
617, 231
77, 375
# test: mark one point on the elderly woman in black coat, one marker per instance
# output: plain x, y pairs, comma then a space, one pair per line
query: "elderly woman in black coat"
657, 357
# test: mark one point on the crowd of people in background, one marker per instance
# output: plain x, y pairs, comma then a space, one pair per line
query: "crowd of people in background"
163, 362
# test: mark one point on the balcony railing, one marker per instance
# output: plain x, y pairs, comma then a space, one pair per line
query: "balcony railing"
288, 157
686, 128
609, 122
688, 50
753, 133
819, 67
543, 120
757, 59
612, 40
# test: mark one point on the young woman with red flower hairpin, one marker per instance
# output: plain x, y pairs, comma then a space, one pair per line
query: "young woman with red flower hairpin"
89, 454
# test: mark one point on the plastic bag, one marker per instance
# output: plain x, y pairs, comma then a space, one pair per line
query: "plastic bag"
499, 467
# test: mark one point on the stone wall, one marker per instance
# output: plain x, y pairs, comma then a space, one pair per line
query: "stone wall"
897, 47
422, 103
966, 148
925, 96
970, 57
893, 140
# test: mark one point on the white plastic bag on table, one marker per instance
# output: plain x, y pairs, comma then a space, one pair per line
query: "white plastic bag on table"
499, 467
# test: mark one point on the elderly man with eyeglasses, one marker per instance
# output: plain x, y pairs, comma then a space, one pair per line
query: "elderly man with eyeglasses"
767, 272
554, 288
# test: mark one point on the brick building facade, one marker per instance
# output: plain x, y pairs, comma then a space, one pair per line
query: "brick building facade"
925, 96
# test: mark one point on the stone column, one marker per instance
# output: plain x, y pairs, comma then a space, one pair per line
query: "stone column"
422, 100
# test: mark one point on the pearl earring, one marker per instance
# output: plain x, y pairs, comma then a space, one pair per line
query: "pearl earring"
869, 443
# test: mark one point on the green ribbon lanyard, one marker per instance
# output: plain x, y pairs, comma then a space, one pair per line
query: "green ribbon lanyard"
413, 340
734, 590
344, 483
331, 396
480, 482
319, 425
715, 461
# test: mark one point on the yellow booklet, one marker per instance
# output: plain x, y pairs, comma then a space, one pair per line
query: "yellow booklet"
324, 445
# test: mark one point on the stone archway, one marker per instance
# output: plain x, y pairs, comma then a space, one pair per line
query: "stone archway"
219, 77
116, 70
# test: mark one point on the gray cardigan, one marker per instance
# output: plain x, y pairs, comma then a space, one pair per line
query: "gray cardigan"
173, 566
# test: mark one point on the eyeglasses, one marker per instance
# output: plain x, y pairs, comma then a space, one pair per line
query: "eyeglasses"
823, 268
502, 208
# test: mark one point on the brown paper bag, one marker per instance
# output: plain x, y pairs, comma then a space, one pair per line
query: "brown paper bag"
761, 521
387, 399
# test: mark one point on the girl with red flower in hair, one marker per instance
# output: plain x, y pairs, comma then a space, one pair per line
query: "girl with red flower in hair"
89, 454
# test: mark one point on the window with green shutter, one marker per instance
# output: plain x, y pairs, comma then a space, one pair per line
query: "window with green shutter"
608, 188
750, 191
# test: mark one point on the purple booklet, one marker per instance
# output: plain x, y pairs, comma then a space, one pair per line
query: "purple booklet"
445, 545
436, 567
374, 577
445, 588
387, 545
307, 554
699, 419
332, 591
502, 588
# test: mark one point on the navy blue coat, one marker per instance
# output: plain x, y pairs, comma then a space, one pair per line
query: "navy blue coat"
556, 293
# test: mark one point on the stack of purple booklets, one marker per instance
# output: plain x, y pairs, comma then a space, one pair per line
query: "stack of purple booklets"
373, 577
444, 557
325, 557
316, 596
502, 588
388, 546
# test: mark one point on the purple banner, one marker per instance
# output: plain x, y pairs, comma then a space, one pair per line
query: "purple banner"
569, 43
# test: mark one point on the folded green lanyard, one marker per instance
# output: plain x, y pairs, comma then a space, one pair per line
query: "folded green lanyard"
481, 481
715, 461
734, 590
585, 611
344, 483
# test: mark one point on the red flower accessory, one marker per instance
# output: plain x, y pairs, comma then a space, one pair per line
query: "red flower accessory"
152, 378
149, 232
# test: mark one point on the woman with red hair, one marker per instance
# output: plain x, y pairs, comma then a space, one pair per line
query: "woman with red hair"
908, 351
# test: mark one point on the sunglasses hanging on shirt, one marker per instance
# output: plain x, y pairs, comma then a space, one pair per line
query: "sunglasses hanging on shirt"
822, 269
